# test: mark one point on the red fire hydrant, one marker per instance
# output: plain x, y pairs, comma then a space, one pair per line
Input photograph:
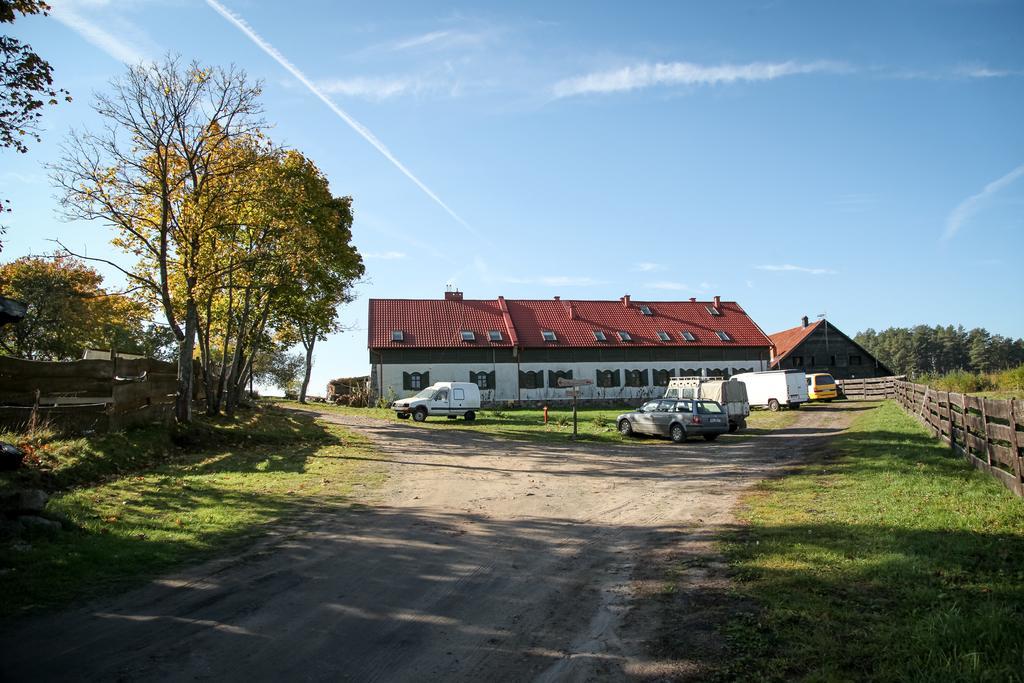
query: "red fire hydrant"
545, 414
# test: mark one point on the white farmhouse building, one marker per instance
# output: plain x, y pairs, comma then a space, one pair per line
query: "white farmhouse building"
516, 349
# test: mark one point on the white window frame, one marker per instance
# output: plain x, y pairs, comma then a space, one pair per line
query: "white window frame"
625, 336
599, 335
688, 336
495, 335
468, 336
664, 336
723, 335
548, 335
397, 335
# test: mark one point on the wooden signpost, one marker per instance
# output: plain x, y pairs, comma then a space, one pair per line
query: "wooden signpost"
572, 385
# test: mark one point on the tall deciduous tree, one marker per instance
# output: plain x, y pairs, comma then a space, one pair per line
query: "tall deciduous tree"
68, 311
161, 173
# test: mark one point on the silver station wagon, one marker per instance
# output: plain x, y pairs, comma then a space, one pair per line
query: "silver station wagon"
676, 418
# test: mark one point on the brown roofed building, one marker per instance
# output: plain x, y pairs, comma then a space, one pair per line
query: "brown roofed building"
822, 347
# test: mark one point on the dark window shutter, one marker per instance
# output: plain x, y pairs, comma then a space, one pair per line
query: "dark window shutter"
616, 381
406, 381
552, 378
643, 378
491, 379
472, 377
425, 382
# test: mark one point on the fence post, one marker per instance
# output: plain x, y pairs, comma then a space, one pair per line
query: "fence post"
1018, 466
949, 416
984, 432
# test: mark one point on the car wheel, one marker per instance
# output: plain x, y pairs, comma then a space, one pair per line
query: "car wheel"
677, 433
402, 416
420, 415
470, 416
773, 405
625, 428
710, 437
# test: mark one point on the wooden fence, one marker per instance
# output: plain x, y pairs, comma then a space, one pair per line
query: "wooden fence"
86, 394
988, 433
869, 388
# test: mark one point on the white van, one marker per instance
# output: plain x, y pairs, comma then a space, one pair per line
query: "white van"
773, 389
448, 399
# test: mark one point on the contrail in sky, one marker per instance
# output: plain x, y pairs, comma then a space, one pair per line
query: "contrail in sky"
242, 26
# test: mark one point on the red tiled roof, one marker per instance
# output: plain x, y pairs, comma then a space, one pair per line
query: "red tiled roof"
787, 340
437, 323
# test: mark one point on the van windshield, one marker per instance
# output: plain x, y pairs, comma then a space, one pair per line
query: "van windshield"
426, 393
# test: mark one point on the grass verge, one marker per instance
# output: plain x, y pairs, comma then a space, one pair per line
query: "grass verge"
225, 481
894, 560
594, 424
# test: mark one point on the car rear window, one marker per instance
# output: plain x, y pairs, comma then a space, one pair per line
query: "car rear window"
708, 407
824, 379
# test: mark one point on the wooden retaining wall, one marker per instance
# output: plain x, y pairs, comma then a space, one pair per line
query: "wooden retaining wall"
988, 433
86, 395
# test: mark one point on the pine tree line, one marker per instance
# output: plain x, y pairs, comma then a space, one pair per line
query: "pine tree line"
937, 350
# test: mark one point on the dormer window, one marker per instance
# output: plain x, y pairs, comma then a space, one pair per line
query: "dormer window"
495, 336
646, 310
600, 336
625, 336
712, 310
724, 336
664, 336
688, 336
468, 336
397, 336
548, 335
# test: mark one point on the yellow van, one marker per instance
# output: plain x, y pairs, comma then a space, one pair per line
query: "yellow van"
821, 387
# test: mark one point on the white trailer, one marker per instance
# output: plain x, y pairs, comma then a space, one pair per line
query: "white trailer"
731, 395
774, 389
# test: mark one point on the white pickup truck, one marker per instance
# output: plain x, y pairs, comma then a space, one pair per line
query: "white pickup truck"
447, 399
731, 395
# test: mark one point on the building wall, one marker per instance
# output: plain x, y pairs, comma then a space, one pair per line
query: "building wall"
388, 369
835, 354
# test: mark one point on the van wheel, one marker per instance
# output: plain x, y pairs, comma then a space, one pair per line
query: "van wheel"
420, 415
773, 405
402, 416
625, 428
733, 427
677, 433
710, 437
470, 416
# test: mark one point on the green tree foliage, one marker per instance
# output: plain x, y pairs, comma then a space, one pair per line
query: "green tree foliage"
942, 349
26, 85
68, 311
280, 369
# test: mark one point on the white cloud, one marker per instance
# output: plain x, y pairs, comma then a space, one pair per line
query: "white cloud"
790, 268
116, 45
970, 206
364, 132
647, 267
385, 255
375, 88
443, 40
686, 73
981, 71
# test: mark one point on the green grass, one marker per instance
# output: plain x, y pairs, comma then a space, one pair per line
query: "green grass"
594, 424
199, 501
894, 560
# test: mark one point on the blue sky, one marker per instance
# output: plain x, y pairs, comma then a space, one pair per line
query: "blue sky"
866, 160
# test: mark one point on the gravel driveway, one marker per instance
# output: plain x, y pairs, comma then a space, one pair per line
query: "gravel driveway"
479, 559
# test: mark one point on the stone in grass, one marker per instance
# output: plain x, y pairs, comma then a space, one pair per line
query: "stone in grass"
10, 456
36, 523
25, 500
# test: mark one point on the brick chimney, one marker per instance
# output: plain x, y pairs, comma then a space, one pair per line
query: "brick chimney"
805, 321
625, 300
718, 301
693, 299
572, 310
453, 295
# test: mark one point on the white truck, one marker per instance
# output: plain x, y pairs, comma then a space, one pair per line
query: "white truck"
773, 389
731, 395
441, 399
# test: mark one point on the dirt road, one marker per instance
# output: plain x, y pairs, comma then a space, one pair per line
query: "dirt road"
480, 559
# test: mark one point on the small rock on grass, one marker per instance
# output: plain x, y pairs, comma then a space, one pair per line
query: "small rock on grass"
34, 522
